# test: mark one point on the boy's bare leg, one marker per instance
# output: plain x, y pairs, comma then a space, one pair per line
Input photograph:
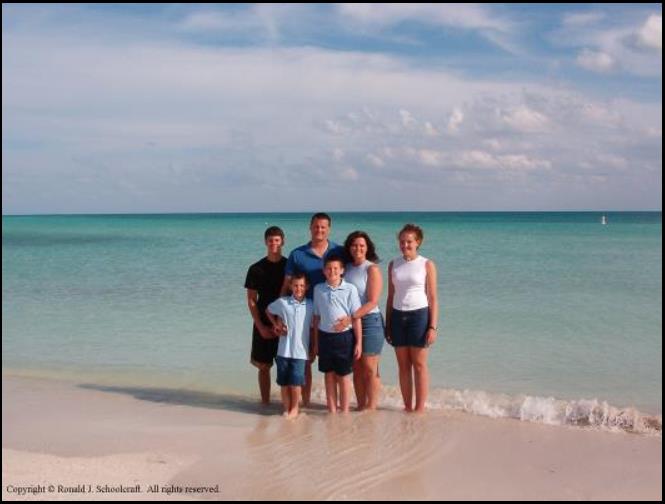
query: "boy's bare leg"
307, 388
294, 393
331, 392
359, 384
286, 400
345, 392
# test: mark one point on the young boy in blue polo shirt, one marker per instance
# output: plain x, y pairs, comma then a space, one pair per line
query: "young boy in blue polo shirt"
294, 313
335, 299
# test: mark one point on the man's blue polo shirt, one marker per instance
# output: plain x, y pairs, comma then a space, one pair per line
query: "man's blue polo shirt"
303, 259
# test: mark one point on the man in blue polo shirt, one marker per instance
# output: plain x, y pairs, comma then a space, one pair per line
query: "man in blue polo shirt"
309, 259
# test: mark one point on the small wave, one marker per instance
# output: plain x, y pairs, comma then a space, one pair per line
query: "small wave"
589, 413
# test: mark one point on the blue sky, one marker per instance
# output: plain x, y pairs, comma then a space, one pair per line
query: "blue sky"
206, 108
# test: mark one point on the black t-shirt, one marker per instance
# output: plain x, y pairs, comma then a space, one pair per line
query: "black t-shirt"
266, 278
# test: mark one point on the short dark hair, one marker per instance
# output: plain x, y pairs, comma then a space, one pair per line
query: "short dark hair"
273, 231
320, 216
334, 258
371, 249
299, 275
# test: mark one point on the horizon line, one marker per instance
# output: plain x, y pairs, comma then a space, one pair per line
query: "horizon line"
327, 211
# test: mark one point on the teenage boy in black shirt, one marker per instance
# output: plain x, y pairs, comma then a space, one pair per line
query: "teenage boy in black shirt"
263, 283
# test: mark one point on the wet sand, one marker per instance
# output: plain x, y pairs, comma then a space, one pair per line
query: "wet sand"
74, 441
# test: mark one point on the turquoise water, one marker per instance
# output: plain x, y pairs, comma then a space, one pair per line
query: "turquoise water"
533, 304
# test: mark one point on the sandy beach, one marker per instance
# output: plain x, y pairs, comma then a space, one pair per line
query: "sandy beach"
74, 441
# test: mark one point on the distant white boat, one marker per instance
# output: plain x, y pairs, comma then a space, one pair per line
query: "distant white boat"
603, 220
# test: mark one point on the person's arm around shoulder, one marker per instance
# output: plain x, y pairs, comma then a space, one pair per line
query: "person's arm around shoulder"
316, 320
356, 323
389, 302
358, 334
432, 301
277, 317
374, 288
314, 346
252, 304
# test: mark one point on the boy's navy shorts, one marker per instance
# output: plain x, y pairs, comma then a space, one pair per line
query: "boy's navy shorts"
290, 372
336, 352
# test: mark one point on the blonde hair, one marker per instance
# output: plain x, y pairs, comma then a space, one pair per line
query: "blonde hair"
416, 230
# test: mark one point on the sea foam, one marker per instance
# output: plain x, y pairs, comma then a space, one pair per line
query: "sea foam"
586, 413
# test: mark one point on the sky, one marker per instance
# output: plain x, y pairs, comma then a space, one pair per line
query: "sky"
335, 107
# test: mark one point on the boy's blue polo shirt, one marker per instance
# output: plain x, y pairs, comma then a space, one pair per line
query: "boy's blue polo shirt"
297, 315
333, 303
303, 259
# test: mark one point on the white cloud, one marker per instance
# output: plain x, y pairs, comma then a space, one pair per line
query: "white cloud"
521, 162
408, 121
258, 21
375, 161
214, 21
628, 43
603, 163
349, 174
596, 61
612, 161
430, 157
493, 143
476, 159
599, 114
469, 16
388, 152
430, 130
338, 154
335, 127
651, 33
577, 19
525, 120
176, 121
482, 19
455, 120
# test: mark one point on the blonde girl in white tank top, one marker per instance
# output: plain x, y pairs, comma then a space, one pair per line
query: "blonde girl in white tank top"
412, 295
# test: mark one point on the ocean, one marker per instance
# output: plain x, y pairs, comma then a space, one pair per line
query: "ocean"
547, 317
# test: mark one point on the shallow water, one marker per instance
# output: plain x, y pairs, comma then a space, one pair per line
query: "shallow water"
540, 311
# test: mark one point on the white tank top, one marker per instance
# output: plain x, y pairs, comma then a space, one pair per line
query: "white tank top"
357, 275
409, 281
